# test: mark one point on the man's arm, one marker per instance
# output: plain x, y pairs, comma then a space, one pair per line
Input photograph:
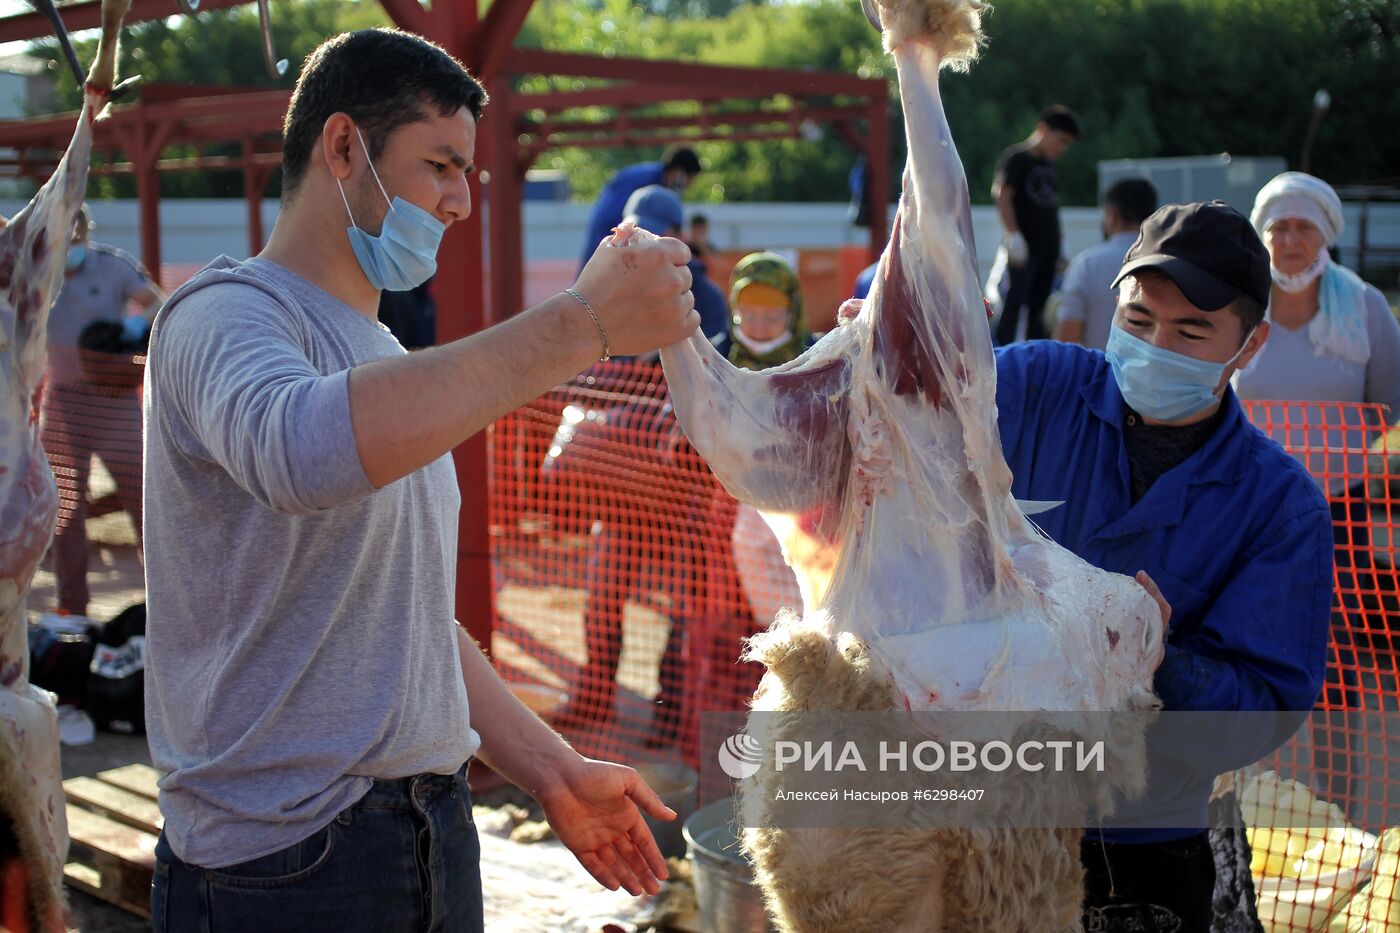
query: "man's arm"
1006, 208
1008, 180
141, 288
595, 807
149, 298
229, 375
409, 410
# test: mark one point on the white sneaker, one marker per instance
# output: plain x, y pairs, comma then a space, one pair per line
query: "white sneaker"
75, 726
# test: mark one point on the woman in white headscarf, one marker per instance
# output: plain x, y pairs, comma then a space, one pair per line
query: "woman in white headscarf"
1333, 339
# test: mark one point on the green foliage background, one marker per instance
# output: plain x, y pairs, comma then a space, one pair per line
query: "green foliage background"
1147, 77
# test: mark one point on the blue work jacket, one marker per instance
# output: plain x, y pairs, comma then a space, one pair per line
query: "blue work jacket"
1238, 537
607, 210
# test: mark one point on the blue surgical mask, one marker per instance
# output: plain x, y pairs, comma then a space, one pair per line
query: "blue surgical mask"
404, 254
77, 254
1161, 384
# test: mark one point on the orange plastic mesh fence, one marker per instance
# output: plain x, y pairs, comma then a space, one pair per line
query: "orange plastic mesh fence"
617, 596
90, 426
626, 580
1337, 868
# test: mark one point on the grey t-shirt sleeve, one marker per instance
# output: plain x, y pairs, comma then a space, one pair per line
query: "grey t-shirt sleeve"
136, 279
1383, 368
126, 272
1074, 294
230, 360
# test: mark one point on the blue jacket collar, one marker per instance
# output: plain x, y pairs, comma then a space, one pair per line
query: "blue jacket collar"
1222, 459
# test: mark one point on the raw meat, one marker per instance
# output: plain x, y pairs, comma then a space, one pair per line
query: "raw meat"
876, 458
33, 247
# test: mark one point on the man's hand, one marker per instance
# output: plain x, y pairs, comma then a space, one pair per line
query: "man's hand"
594, 809
849, 311
1018, 251
640, 292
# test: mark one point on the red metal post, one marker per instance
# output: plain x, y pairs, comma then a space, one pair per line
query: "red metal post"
148, 192
458, 289
507, 266
254, 180
146, 145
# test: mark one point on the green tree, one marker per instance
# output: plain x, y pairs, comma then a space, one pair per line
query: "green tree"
219, 47
1147, 77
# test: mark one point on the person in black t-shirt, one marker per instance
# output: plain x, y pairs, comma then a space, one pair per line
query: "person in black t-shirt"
1028, 201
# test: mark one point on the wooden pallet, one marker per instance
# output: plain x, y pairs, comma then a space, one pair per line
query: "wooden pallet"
113, 821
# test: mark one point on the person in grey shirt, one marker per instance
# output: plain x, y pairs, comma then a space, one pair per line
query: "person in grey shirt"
308, 690
85, 411
1088, 299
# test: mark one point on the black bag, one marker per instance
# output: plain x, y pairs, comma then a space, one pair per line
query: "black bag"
116, 683
59, 661
109, 358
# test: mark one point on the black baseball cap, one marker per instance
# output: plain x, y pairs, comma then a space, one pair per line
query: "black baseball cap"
1208, 249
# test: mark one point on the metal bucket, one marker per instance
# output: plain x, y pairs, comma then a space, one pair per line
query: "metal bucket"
675, 784
728, 899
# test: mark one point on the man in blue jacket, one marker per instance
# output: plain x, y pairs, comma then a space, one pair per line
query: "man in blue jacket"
678, 167
1160, 470
658, 209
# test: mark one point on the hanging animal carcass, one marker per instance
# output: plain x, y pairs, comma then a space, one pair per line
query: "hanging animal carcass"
33, 246
926, 588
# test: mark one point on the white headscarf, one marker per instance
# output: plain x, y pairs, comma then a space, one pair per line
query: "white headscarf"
1339, 327
1296, 195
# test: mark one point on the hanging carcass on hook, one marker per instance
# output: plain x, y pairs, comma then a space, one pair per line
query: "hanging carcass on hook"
930, 590
33, 248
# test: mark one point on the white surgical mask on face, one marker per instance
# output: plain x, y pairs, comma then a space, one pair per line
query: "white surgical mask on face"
404, 253
1300, 280
1162, 384
763, 347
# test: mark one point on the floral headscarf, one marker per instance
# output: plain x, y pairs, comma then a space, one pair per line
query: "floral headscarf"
776, 272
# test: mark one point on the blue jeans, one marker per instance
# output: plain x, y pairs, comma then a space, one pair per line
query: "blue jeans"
405, 858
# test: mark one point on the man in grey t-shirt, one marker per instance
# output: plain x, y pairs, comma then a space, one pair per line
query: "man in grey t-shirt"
307, 686
1088, 299
89, 407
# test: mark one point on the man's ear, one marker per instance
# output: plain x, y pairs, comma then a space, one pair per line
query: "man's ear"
339, 143
1254, 344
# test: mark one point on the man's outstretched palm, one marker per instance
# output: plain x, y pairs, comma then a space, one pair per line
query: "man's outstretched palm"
596, 810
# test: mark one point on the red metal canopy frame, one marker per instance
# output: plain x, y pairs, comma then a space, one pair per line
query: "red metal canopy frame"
516, 129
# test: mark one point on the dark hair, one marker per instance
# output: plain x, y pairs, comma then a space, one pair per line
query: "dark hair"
382, 78
699, 219
1250, 312
1060, 117
1135, 199
680, 156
